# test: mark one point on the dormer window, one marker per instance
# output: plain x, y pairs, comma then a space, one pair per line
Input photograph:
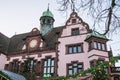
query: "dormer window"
73, 21
75, 31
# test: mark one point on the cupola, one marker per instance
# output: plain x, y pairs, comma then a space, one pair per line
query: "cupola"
46, 22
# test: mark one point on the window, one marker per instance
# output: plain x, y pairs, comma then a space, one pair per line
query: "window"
48, 67
103, 46
100, 61
75, 49
70, 49
15, 66
73, 21
96, 62
31, 65
92, 63
48, 21
99, 46
75, 31
95, 45
43, 21
74, 68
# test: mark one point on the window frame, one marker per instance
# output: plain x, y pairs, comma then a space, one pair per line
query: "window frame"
95, 62
103, 46
49, 66
75, 31
74, 21
72, 46
73, 67
97, 45
32, 64
15, 66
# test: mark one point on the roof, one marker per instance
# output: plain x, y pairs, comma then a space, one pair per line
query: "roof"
97, 35
12, 76
52, 37
17, 41
4, 42
47, 13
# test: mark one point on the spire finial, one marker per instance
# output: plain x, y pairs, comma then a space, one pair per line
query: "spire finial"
48, 6
73, 5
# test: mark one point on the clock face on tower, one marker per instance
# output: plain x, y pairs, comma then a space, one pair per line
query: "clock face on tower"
33, 43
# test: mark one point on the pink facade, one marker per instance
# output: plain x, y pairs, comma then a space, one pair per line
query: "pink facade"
67, 39
3, 60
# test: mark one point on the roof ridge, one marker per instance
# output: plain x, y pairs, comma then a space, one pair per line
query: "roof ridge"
20, 34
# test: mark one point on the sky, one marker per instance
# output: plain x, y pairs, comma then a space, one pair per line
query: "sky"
21, 16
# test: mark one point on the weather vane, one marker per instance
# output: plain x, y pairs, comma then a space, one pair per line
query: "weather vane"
48, 5
73, 5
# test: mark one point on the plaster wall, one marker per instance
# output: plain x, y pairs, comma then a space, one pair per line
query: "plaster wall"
85, 57
65, 58
67, 29
3, 60
96, 54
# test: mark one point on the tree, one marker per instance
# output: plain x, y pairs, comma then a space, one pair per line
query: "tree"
103, 11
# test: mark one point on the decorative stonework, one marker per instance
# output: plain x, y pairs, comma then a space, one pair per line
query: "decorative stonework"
33, 43
24, 47
74, 15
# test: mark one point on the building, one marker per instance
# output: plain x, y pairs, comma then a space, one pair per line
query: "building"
56, 51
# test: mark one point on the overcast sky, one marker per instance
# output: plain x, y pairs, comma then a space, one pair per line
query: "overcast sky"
20, 16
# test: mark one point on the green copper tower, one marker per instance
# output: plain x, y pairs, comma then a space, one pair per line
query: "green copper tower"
46, 22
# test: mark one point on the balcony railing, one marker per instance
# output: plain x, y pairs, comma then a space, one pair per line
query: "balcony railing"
115, 69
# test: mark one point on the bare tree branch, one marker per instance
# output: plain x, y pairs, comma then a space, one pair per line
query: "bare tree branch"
103, 11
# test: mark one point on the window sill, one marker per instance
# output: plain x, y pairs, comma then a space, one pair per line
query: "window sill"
74, 53
97, 49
